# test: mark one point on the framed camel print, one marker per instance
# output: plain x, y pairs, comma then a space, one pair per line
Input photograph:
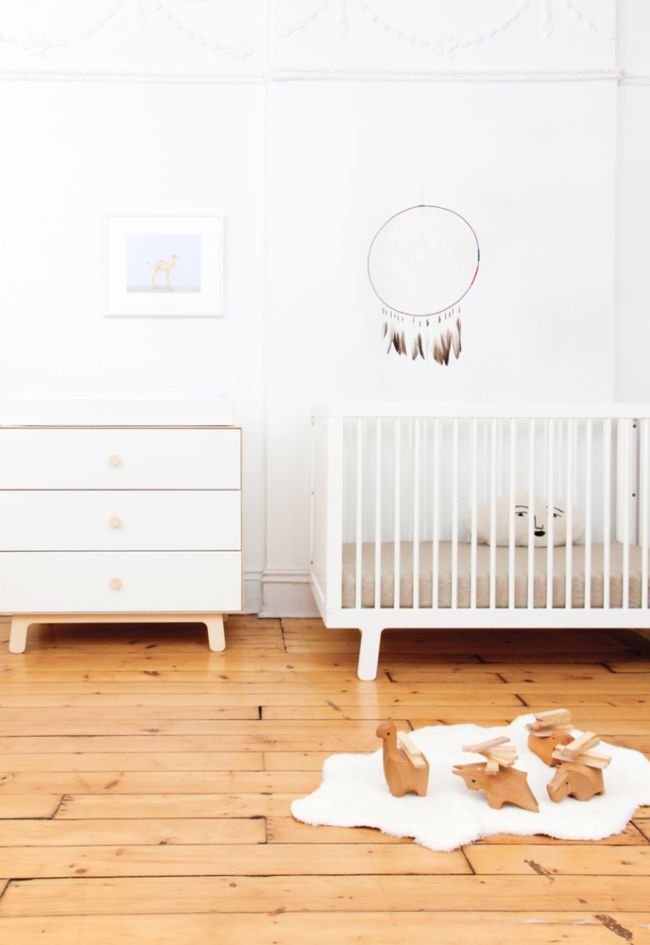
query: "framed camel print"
163, 266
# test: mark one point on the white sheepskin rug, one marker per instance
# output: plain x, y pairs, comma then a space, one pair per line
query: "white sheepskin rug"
354, 793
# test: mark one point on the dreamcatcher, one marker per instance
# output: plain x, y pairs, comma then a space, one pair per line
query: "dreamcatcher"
421, 264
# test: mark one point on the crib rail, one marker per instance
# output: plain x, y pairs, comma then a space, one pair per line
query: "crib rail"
446, 510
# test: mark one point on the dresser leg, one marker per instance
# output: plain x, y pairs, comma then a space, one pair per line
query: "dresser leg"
216, 636
18, 634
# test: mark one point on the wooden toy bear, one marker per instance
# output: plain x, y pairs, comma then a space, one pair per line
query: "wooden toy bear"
405, 767
501, 783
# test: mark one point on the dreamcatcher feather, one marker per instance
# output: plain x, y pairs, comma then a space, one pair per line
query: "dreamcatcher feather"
421, 263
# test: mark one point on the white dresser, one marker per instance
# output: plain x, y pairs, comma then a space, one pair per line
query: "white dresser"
119, 511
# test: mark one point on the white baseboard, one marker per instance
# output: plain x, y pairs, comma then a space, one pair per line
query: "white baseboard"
252, 592
287, 593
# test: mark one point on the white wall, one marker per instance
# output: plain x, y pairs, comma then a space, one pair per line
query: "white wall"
633, 205
314, 121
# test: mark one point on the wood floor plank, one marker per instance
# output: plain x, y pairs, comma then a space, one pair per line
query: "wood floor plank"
145, 782
136, 761
223, 858
42, 804
372, 928
577, 860
165, 703
643, 824
162, 831
300, 739
77, 727
143, 806
384, 892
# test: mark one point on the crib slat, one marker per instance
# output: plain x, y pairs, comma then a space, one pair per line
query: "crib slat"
607, 486
531, 506
473, 536
416, 513
378, 497
397, 546
588, 532
511, 515
550, 530
643, 489
454, 517
568, 558
493, 512
435, 560
625, 505
358, 548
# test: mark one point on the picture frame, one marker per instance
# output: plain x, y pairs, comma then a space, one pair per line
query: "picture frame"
162, 266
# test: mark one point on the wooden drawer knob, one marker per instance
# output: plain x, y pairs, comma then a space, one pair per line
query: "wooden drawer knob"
115, 460
116, 583
115, 521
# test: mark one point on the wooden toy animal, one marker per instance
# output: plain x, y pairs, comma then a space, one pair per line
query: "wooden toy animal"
508, 786
574, 780
501, 783
405, 767
547, 732
580, 772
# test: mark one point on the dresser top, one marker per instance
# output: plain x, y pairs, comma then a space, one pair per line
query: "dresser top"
117, 411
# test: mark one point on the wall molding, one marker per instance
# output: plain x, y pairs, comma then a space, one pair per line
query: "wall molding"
635, 79
252, 591
333, 75
287, 593
147, 78
455, 75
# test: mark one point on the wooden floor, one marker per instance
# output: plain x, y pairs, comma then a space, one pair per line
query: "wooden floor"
145, 786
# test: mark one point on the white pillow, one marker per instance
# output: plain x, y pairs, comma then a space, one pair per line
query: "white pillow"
523, 510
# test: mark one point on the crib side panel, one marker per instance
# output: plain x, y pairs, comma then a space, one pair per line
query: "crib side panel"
493, 513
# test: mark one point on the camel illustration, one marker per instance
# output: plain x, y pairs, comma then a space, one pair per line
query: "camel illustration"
163, 265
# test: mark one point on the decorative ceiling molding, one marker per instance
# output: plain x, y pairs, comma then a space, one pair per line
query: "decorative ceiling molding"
232, 50
306, 21
444, 44
586, 21
40, 44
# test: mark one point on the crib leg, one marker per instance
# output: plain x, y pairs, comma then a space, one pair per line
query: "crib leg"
369, 652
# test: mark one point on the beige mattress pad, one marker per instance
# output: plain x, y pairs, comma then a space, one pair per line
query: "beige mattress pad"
483, 575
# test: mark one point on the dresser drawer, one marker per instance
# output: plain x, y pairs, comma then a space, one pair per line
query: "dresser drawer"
120, 458
61, 520
114, 582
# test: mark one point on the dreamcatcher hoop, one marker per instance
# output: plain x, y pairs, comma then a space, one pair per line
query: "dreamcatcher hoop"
421, 264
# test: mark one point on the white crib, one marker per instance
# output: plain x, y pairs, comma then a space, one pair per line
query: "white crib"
395, 495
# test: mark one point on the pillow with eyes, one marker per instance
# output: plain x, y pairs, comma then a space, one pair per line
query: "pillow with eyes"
524, 511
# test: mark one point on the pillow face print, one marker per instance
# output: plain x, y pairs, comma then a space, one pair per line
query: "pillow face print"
524, 511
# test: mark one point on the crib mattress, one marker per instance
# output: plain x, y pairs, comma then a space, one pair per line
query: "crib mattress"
483, 575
